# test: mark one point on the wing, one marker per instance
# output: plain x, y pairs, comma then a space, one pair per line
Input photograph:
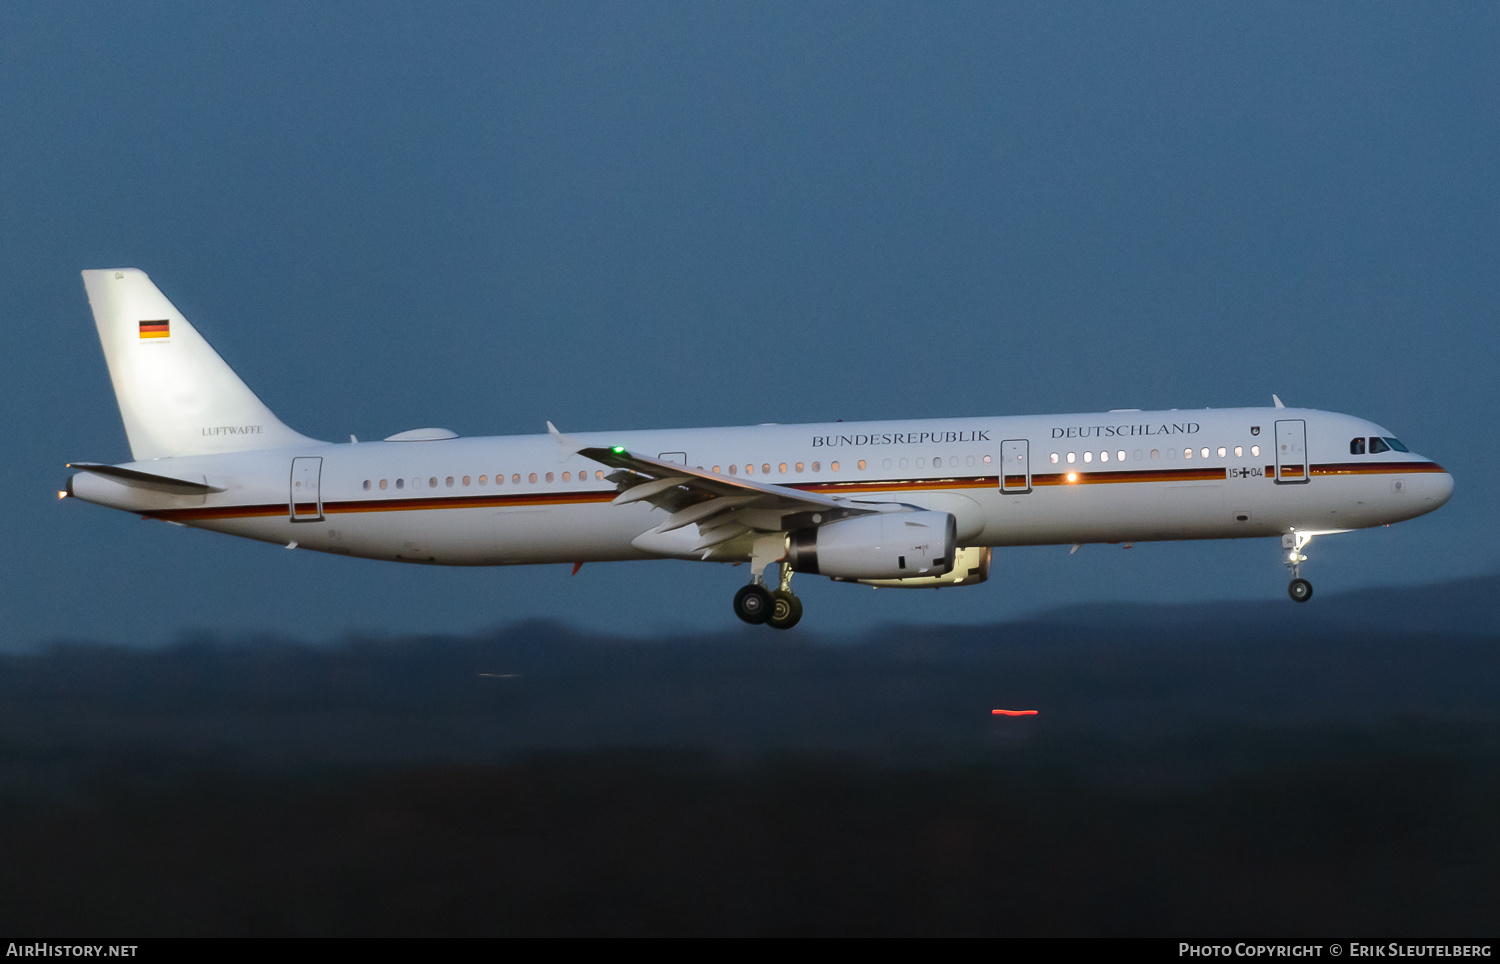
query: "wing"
722, 507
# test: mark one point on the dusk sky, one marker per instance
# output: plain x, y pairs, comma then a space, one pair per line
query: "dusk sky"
620, 216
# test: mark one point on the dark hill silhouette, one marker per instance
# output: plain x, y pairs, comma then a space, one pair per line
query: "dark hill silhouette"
1209, 770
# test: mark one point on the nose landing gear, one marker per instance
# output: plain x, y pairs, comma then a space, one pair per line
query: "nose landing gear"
1299, 589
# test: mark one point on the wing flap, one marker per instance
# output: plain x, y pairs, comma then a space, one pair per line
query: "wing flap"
648, 490
701, 512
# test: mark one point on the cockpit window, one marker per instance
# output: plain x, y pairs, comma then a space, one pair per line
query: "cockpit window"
1397, 444
1357, 445
1378, 445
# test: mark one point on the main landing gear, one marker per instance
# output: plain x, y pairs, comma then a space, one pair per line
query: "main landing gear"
779, 609
1299, 589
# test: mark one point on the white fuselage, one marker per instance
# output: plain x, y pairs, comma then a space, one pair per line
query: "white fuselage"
1120, 476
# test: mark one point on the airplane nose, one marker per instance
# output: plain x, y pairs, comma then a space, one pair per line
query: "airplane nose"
1444, 485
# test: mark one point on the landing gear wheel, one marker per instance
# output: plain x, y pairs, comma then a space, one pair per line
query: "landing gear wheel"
1300, 590
752, 604
786, 609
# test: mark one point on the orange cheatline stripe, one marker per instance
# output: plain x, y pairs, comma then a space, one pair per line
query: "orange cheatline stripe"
899, 485
1128, 475
393, 505
1374, 468
469, 502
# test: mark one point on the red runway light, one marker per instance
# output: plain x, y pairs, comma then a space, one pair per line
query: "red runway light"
1013, 712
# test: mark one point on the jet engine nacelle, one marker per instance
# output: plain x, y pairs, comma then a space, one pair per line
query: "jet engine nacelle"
891, 545
971, 566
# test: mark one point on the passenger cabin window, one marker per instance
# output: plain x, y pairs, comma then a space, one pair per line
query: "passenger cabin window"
1377, 445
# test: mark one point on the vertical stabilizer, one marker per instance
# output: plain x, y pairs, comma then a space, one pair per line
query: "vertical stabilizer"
176, 395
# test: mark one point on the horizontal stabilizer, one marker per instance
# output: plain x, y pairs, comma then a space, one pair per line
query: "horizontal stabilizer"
147, 480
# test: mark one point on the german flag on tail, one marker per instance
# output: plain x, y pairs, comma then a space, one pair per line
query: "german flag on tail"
156, 329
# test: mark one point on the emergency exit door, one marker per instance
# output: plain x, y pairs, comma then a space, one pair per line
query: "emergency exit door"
1015, 466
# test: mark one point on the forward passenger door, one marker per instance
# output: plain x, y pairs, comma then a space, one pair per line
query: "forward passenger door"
1291, 451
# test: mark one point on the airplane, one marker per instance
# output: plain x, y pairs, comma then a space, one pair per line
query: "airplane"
906, 503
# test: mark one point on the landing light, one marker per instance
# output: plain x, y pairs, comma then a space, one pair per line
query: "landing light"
62, 493
1072, 476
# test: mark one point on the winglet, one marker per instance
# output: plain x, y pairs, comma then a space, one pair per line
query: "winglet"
1274, 397
570, 446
